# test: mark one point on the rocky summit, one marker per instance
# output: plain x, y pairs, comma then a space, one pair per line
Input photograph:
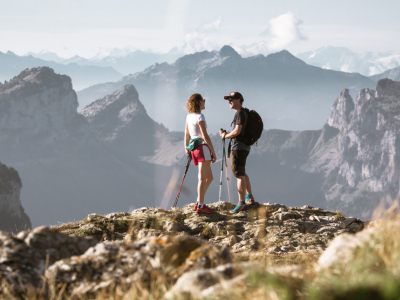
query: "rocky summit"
12, 215
153, 246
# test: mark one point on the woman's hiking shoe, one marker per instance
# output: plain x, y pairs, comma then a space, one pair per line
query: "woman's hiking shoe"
250, 199
204, 210
239, 207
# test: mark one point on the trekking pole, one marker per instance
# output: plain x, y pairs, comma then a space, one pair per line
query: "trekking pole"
227, 176
222, 169
189, 159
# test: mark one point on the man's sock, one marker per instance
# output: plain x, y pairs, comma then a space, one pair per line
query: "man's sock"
201, 205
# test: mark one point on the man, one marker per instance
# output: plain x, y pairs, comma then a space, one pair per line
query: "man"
239, 151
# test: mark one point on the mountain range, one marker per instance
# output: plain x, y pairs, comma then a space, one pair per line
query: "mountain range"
68, 169
125, 62
112, 156
287, 93
82, 76
343, 59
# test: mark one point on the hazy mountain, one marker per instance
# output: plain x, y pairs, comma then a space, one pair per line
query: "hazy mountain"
46, 55
288, 93
343, 59
393, 74
82, 76
12, 215
128, 63
67, 167
351, 163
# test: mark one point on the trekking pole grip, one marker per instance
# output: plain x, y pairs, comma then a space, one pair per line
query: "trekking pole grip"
223, 130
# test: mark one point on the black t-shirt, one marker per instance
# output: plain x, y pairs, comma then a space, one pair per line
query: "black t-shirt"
240, 119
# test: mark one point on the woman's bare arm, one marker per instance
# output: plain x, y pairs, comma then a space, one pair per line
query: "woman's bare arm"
187, 137
206, 138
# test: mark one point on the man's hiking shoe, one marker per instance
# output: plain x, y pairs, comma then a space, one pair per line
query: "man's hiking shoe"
239, 207
204, 210
250, 199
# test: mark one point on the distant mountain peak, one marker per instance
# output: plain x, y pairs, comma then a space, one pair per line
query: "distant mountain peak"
38, 76
117, 102
228, 51
284, 56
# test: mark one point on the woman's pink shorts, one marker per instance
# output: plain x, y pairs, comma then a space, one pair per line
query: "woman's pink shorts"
201, 153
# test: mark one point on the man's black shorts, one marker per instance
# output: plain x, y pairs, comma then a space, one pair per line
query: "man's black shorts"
238, 162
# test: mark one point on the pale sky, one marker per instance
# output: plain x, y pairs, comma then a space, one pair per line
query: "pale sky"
86, 27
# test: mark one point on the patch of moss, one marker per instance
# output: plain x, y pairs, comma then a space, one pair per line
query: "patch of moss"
121, 225
340, 216
208, 233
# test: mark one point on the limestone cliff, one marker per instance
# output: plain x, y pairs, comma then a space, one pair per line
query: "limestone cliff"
37, 111
12, 215
355, 157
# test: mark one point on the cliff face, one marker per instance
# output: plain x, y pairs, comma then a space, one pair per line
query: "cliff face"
368, 147
355, 155
121, 122
12, 215
69, 164
38, 108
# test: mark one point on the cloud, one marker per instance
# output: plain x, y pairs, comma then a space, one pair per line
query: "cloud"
203, 38
283, 31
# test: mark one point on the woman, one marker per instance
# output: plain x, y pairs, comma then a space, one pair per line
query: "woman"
203, 154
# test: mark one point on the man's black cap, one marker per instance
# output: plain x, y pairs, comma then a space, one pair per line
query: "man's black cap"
234, 95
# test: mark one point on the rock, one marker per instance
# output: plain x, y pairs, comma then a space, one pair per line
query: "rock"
174, 226
283, 216
355, 227
12, 215
314, 218
25, 260
260, 232
144, 233
193, 283
347, 222
210, 282
145, 262
340, 251
145, 256
234, 239
94, 217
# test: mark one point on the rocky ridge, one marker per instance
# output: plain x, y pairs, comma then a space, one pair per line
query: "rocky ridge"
270, 228
152, 246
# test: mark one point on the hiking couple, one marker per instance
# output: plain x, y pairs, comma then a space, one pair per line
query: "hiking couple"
198, 143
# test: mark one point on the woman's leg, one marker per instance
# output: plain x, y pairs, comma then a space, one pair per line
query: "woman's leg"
210, 177
204, 170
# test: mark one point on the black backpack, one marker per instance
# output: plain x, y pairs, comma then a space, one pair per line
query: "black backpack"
254, 128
